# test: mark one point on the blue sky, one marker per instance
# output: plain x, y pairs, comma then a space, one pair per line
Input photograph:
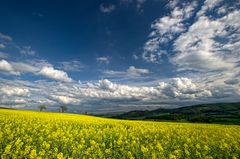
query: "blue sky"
120, 55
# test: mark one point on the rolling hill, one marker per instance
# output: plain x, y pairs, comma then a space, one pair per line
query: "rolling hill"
227, 113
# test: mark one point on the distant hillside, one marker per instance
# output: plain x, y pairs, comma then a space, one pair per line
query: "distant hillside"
226, 113
5, 108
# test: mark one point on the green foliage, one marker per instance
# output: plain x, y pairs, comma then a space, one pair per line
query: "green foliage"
63, 108
225, 113
42, 107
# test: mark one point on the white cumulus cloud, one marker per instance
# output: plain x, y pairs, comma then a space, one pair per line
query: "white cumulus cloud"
165, 29
52, 73
65, 99
200, 49
14, 91
131, 72
38, 68
6, 67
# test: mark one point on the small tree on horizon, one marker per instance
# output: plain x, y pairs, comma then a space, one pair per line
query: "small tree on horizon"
42, 107
63, 108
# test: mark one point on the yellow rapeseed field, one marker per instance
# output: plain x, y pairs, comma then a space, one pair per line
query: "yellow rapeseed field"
26, 134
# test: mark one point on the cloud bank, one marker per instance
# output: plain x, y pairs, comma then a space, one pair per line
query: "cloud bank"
46, 70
